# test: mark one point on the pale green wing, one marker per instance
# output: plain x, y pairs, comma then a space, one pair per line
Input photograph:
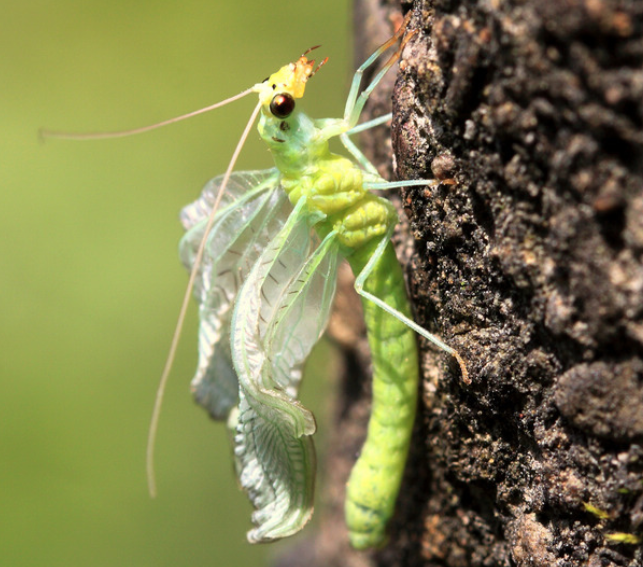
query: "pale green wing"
252, 211
280, 313
301, 316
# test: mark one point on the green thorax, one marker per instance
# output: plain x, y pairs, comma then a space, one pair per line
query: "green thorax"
331, 184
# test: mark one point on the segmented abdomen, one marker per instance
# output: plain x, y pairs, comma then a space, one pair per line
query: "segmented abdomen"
376, 477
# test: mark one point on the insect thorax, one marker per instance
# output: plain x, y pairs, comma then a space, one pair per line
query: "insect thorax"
331, 184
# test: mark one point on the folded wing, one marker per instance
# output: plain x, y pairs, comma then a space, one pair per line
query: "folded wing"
280, 313
253, 209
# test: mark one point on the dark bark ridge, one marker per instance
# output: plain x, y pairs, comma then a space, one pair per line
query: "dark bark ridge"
531, 266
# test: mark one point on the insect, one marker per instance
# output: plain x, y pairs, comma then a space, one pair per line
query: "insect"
263, 248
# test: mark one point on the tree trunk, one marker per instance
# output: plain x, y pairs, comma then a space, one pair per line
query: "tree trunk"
530, 265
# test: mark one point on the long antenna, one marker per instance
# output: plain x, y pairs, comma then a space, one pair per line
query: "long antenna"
122, 133
151, 439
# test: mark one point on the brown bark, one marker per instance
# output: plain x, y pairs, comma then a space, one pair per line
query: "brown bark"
531, 265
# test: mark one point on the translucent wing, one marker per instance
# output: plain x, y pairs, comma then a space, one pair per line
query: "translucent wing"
301, 317
281, 312
252, 211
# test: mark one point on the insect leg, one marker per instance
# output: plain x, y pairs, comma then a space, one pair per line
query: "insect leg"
355, 103
376, 477
359, 287
370, 124
354, 150
358, 155
353, 100
386, 185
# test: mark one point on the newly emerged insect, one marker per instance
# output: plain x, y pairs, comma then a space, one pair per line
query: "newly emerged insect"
263, 248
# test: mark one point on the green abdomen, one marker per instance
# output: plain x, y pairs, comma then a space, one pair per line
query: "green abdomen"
376, 477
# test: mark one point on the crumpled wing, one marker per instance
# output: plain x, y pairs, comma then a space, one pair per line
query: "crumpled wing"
253, 209
281, 312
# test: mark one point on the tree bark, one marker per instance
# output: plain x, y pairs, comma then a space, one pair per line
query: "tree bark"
531, 266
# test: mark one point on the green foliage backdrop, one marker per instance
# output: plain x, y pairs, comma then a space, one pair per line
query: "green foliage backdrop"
90, 283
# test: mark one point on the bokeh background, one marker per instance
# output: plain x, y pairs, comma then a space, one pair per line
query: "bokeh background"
90, 283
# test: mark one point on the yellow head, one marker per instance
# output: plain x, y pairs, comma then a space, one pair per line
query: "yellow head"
278, 92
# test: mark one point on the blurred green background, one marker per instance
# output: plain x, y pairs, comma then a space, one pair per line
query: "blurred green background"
90, 283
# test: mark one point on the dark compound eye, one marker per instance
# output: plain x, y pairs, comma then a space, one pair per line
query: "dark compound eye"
282, 105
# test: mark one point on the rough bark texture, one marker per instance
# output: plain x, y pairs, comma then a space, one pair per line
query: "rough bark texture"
531, 265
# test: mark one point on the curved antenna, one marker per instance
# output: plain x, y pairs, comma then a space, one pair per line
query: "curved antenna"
310, 49
122, 133
151, 439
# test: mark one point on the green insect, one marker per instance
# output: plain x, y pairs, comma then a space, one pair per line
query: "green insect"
263, 248
265, 285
